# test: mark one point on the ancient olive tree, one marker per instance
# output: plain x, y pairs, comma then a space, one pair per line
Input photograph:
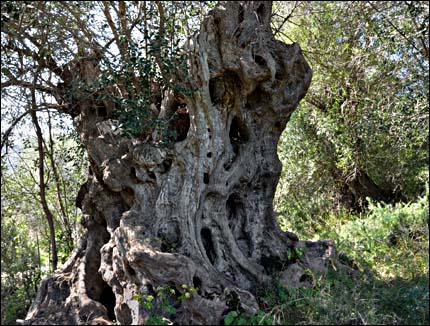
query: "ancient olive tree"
183, 162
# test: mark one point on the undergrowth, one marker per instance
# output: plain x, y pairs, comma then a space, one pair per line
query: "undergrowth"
388, 247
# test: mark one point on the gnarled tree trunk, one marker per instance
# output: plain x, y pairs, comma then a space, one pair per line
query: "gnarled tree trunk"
200, 212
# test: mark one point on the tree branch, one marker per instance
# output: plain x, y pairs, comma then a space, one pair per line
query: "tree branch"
394, 26
21, 83
42, 107
111, 24
9, 130
286, 18
42, 185
44, 59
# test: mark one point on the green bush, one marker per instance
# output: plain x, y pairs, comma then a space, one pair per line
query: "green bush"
388, 246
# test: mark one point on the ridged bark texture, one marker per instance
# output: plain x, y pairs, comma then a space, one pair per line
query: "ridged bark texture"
200, 212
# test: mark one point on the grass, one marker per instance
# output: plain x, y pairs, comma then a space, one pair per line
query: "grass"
389, 248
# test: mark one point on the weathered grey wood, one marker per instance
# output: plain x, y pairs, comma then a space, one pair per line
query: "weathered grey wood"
199, 213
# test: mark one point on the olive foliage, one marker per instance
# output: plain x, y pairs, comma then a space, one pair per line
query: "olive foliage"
362, 130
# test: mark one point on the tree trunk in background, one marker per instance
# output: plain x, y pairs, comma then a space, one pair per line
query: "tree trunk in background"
42, 183
200, 212
354, 189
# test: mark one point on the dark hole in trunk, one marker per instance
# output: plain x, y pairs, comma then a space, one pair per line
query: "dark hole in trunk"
101, 111
225, 89
197, 284
83, 191
182, 125
167, 163
216, 90
260, 60
271, 264
305, 277
133, 175
206, 178
128, 195
232, 300
238, 134
232, 203
107, 298
130, 270
241, 14
125, 313
206, 236
260, 13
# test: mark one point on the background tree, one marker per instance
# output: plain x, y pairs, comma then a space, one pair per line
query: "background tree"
26, 250
362, 131
20, 255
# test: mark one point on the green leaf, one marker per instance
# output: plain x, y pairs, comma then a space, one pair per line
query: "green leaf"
155, 320
230, 317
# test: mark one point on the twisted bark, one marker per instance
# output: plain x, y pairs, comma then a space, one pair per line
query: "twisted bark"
200, 212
